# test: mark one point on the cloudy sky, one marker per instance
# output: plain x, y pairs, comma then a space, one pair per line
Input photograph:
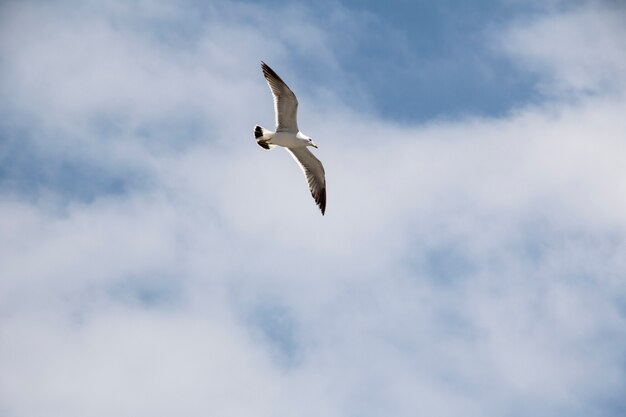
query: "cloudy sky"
154, 261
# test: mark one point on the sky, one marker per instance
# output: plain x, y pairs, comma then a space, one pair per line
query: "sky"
155, 261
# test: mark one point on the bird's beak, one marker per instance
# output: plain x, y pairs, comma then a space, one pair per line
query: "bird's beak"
313, 145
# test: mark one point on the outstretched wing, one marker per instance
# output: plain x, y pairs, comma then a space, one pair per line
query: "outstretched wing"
285, 101
314, 173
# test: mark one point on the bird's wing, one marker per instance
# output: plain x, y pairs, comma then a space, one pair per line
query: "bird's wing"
285, 101
314, 173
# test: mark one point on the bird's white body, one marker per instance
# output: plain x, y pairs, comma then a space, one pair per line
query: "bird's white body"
289, 140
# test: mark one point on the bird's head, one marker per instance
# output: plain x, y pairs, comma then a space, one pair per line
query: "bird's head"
311, 143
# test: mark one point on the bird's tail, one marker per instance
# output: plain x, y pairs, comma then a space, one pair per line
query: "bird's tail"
262, 136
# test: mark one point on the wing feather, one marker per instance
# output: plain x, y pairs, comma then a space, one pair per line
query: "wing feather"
285, 101
314, 173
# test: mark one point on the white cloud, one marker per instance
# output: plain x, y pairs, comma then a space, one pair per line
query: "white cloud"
579, 50
469, 267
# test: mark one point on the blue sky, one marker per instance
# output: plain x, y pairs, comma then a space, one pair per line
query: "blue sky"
155, 261
442, 53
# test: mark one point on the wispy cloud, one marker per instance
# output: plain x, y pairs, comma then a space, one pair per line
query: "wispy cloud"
154, 261
576, 51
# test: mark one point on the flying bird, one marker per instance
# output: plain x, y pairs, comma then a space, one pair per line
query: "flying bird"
289, 136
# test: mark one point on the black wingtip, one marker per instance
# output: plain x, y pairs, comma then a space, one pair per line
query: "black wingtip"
268, 71
321, 201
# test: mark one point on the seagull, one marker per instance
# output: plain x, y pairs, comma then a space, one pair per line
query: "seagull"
289, 136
